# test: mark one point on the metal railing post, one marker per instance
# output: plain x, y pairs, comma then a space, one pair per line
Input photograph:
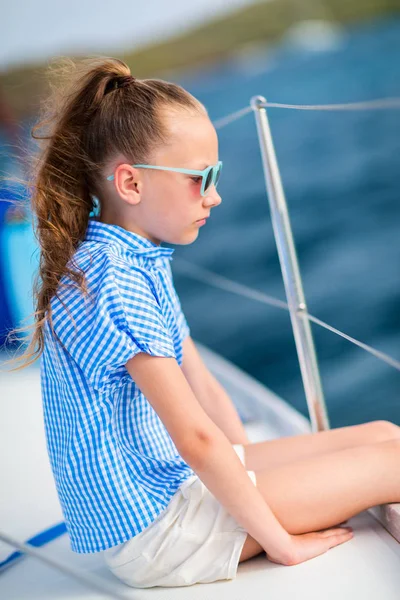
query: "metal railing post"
290, 271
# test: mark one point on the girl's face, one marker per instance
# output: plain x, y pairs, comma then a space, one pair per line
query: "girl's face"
166, 206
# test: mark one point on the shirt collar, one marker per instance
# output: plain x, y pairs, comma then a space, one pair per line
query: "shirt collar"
105, 233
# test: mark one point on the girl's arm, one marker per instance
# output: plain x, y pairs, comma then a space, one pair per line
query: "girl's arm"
211, 394
208, 451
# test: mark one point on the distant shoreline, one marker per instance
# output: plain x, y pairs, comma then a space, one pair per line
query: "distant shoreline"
262, 23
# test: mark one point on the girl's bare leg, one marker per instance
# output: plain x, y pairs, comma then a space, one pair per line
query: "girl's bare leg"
322, 491
271, 453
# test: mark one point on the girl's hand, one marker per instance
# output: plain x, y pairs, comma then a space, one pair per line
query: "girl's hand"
308, 545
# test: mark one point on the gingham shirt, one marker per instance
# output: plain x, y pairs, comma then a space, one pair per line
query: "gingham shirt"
115, 466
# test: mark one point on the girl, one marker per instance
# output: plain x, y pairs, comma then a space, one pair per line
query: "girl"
148, 454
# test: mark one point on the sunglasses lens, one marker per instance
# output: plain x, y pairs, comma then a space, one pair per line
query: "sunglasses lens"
208, 180
217, 175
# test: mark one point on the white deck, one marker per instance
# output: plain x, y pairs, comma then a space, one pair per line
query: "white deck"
366, 567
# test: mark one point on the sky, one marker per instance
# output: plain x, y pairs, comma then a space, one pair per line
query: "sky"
35, 30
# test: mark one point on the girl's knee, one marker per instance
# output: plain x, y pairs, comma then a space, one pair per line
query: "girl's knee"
382, 431
392, 444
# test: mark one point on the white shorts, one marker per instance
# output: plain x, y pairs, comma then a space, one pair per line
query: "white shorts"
194, 540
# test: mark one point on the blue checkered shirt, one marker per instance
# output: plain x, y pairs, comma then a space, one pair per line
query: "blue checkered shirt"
115, 465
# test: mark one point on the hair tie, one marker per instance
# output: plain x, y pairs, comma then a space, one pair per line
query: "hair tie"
118, 82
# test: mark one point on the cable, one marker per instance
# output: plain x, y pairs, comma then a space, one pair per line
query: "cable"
378, 104
221, 282
90, 581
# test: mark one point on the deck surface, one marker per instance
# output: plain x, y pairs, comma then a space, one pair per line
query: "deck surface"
368, 566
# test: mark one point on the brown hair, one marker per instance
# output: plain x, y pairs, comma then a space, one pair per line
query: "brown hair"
96, 109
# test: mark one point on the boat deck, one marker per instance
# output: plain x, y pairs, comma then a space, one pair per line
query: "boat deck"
367, 565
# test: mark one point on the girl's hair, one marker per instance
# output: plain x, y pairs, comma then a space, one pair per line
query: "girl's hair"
96, 110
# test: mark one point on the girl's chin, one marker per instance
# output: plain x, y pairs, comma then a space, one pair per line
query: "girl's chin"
194, 234
185, 238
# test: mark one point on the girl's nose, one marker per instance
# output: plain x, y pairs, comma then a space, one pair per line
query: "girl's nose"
212, 197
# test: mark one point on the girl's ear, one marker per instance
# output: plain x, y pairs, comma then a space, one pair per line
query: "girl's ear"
128, 183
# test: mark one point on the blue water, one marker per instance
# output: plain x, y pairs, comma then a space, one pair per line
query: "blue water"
340, 172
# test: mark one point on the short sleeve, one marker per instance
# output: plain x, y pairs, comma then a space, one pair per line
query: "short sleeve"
123, 317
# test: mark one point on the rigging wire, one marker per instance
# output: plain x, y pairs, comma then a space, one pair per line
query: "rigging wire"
90, 581
224, 283
377, 104
237, 288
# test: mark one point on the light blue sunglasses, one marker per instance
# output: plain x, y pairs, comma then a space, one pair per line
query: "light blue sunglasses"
209, 175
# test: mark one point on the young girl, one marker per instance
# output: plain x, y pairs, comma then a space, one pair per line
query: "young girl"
148, 453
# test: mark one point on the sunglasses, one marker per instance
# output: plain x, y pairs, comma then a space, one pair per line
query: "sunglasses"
209, 175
